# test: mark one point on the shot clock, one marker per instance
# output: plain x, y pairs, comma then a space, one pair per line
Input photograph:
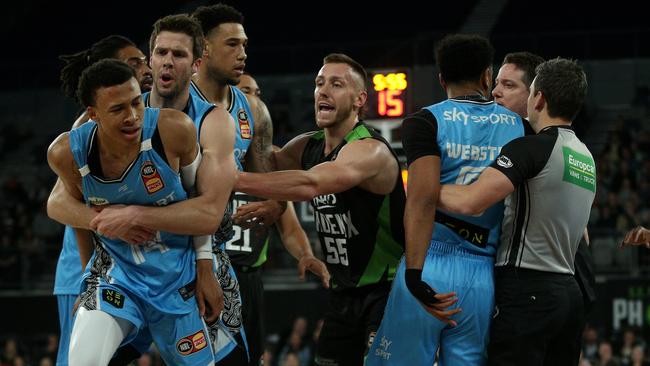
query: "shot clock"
388, 96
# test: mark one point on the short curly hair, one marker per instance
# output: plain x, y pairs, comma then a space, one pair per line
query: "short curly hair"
463, 57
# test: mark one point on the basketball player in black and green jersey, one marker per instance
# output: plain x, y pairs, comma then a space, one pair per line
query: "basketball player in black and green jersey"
352, 178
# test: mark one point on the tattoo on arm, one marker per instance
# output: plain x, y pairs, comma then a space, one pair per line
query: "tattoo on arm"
262, 144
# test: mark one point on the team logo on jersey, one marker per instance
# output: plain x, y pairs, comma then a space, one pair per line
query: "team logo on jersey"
504, 161
244, 125
97, 201
192, 343
113, 297
150, 177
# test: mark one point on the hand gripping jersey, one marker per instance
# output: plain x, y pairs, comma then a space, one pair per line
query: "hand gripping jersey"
247, 247
360, 232
159, 271
470, 136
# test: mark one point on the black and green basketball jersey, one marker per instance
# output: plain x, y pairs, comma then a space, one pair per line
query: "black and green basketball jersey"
247, 247
361, 233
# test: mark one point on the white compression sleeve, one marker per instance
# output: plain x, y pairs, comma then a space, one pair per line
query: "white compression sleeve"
203, 246
188, 172
202, 243
95, 337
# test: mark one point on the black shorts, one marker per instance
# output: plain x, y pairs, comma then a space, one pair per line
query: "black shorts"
539, 317
351, 322
251, 289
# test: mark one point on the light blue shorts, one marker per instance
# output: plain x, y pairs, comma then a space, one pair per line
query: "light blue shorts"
408, 335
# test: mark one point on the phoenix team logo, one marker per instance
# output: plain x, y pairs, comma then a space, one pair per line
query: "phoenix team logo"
151, 178
244, 124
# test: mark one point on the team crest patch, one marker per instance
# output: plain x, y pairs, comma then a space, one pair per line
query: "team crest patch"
113, 297
150, 177
244, 125
192, 343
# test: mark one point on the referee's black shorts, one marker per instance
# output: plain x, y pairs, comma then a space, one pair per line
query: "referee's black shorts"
538, 320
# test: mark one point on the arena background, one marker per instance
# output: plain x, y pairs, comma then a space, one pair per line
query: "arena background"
287, 43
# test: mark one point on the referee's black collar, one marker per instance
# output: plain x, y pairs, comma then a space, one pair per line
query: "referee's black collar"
548, 128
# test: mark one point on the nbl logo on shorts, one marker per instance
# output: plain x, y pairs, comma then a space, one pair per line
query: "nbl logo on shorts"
192, 343
151, 178
244, 125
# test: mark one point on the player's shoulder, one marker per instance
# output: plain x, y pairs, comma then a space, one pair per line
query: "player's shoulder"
175, 126
59, 150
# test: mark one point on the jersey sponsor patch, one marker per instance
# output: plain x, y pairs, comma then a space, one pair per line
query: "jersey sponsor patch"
244, 125
472, 233
191, 344
97, 201
579, 169
113, 297
504, 161
151, 178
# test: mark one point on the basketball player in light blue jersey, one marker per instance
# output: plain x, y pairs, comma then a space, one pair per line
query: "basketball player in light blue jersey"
443, 294
68, 269
129, 154
176, 43
223, 63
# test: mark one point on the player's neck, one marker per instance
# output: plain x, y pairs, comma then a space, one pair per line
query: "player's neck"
214, 91
461, 90
178, 102
118, 149
335, 134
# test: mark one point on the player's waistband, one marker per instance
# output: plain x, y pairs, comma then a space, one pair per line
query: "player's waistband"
438, 247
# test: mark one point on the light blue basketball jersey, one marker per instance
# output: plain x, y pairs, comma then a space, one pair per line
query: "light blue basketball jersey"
471, 134
159, 271
197, 109
67, 280
241, 113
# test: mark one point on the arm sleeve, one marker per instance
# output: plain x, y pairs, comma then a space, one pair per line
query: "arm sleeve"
524, 157
420, 136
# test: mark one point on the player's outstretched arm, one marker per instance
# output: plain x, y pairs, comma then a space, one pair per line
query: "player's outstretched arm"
356, 163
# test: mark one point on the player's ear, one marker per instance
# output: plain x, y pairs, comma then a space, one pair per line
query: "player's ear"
92, 113
195, 65
486, 79
360, 100
206, 47
539, 101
